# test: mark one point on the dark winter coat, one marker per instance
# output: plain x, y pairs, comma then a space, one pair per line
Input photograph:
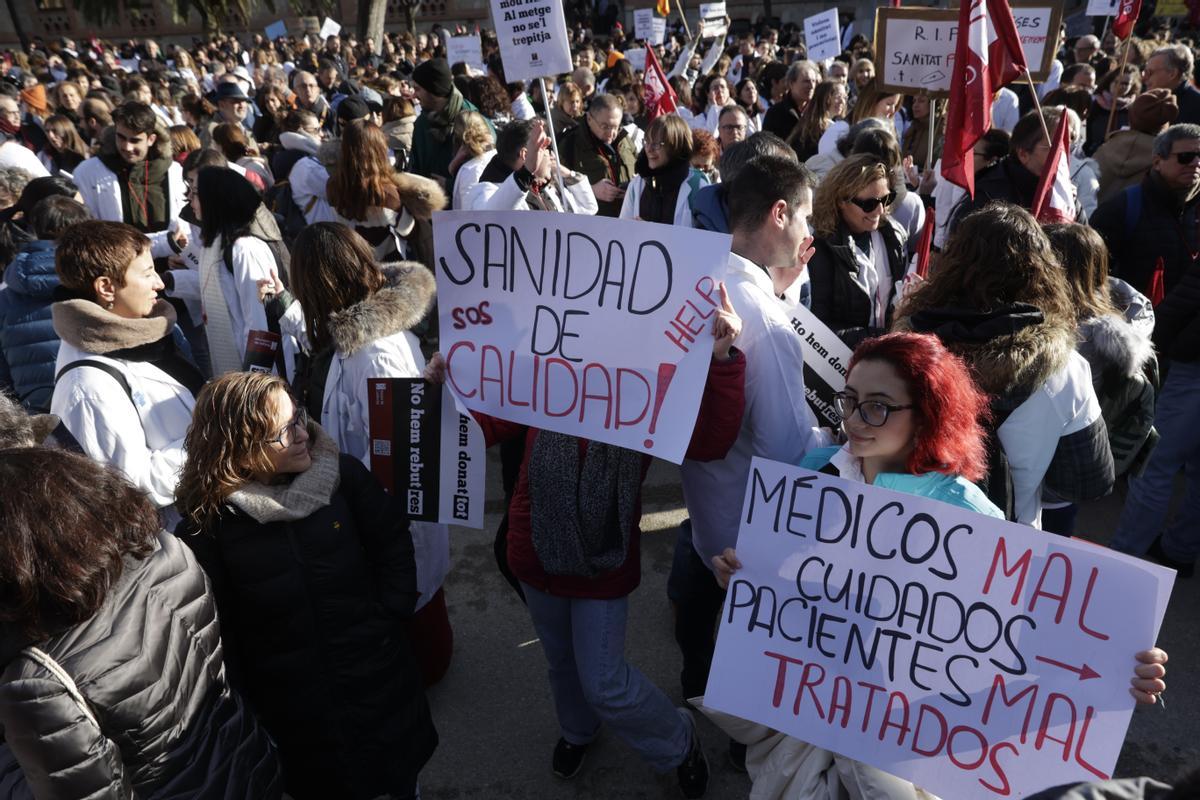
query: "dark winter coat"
1177, 324
584, 153
1165, 228
782, 117
837, 300
28, 343
149, 664
314, 610
717, 425
1006, 180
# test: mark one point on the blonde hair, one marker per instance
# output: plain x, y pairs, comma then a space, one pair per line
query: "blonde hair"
471, 128
869, 97
843, 182
226, 443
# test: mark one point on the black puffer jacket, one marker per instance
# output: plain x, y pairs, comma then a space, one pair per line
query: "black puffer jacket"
314, 610
837, 299
149, 664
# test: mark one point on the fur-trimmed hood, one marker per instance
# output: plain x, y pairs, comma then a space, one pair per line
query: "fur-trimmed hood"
1109, 342
1011, 351
403, 301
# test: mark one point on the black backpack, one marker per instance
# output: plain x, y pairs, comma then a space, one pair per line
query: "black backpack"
288, 214
998, 483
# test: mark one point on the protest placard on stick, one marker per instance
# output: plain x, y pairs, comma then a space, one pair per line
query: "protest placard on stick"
533, 38
466, 50
599, 328
975, 657
822, 36
427, 453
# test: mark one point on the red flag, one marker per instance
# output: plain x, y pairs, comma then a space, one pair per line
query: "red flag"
925, 243
1054, 200
1157, 289
657, 94
1127, 15
987, 55
894, 3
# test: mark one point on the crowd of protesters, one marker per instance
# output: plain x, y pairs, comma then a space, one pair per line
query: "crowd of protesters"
205, 593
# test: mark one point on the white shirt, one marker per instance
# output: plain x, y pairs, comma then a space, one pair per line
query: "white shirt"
777, 424
467, 177
15, 154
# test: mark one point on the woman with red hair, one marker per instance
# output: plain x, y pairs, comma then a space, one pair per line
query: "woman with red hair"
911, 415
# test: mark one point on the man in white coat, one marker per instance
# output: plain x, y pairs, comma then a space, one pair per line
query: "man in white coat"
134, 180
520, 176
769, 204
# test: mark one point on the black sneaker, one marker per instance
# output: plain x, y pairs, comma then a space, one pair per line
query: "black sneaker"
693, 772
568, 759
737, 756
1156, 553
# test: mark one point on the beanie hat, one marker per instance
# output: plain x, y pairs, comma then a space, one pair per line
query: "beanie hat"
352, 108
1153, 110
434, 77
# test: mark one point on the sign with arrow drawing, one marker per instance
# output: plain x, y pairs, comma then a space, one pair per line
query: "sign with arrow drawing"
975, 657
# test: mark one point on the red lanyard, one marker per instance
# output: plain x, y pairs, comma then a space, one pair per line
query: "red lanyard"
612, 171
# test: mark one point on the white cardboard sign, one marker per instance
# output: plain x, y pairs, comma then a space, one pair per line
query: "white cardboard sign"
1102, 8
712, 20
595, 327
643, 23
636, 58
533, 38
329, 28
975, 657
658, 33
465, 49
822, 35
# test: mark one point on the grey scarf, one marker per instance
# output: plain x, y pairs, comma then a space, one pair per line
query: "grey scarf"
582, 518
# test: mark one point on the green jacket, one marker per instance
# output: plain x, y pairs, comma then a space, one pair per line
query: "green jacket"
583, 153
429, 156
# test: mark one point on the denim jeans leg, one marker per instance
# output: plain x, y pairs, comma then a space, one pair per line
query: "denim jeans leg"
626, 700
552, 619
697, 598
1149, 497
1182, 539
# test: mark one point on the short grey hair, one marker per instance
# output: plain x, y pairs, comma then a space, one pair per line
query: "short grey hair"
796, 69
1179, 57
1176, 133
13, 181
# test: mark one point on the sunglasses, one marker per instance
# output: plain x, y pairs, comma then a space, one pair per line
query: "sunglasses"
1186, 158
869, 204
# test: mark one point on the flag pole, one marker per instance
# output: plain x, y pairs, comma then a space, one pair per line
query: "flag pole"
683, 19
562, 187
1037, 103
932, 129
1112, 112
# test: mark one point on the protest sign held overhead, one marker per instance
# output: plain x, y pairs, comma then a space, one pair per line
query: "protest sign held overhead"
975, 657
822, 35
329, 28
276, 30
533, 38
713, 20
916, 45
594, 327
425, 452
643, 23
466, 50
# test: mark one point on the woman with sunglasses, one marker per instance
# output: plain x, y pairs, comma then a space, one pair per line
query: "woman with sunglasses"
311, 564
912, 415
860, 256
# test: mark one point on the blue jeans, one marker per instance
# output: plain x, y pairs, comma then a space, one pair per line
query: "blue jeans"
592, 683
1177, 418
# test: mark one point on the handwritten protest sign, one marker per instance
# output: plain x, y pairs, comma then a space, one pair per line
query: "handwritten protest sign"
826, 361
658, 28
643, 23
595, 327
975, 657
636, 58
466, 50
1102, 8
917, 44
533, 38
822, 35
424, 451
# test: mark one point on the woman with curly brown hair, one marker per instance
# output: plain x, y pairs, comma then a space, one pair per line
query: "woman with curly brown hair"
311, 564
390, 209
87, 707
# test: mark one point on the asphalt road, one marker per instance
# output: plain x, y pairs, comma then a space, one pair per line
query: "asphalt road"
496, 720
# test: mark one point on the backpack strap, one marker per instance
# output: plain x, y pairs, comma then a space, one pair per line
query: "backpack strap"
47, 662
103, 366
1133, 208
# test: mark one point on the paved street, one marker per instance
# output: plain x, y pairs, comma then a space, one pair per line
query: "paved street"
496, 720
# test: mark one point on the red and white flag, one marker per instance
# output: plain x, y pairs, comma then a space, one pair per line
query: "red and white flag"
987, 55
657, 94
1127, 15
1054, 200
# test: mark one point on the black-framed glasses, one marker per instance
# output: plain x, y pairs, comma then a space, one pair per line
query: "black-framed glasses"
872, 412
287, 436
869, 204
1186, 158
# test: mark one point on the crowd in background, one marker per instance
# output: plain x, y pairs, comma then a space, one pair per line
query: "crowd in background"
160, 205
